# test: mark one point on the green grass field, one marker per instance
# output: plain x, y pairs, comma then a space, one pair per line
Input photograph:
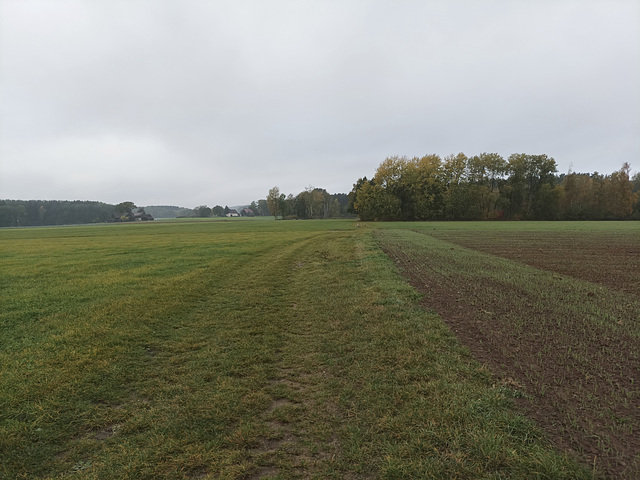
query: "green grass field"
249, 349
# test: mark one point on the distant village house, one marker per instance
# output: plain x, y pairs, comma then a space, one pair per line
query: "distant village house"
130, 216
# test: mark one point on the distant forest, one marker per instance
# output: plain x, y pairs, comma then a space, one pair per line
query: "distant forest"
17, 213
312, 203
29, 213
456, 187
488, 187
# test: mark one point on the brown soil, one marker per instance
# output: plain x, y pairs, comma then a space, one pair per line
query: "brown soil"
578, 387
605, 259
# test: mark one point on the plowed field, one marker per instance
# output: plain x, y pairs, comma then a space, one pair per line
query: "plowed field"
610, 258
554, 315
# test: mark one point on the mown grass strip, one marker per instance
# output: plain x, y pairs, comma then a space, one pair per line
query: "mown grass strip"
282, 350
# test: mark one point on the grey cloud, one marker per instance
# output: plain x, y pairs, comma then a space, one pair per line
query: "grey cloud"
219, 101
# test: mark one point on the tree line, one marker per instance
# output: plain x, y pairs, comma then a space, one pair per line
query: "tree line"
311, 203
456, 187
16, 213
25, 213
487, 186
255, 209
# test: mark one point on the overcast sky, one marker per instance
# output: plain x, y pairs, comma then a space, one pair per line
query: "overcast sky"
189, 102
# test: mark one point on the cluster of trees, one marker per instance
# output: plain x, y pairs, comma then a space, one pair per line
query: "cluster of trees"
487, 186
219, 211
312, 203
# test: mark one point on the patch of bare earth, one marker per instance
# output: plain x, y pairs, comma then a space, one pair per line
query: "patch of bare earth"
288, 449
612, 260
577, 385
280, 433
282, 451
